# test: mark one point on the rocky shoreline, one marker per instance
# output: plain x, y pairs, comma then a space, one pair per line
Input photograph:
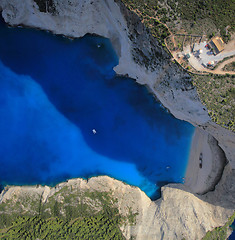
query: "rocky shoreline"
177, 214
144, 59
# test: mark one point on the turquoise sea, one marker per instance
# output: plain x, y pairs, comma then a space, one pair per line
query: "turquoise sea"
65, 114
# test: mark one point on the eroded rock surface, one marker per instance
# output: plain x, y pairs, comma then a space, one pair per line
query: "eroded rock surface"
179, 213
140, 56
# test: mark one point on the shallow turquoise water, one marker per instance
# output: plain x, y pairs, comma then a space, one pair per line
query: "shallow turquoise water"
54, 92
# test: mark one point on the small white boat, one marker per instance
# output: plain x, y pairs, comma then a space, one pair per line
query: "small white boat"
94, 131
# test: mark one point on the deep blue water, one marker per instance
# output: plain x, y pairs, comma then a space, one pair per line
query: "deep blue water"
54, 91
232, 236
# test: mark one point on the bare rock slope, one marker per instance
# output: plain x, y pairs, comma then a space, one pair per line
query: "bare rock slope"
179, 213
140, 56
131, 40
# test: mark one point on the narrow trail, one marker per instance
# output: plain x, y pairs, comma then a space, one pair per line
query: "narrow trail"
173, 40
219, 69
203, 70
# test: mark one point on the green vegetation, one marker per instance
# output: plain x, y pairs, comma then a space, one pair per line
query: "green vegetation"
220, 12
68, 214
97, 227
152, 16
156, 13
220, 233
46, 5
229, 67
131, 217
195, 17
217, 92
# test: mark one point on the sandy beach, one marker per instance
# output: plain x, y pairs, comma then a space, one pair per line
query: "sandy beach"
206, 163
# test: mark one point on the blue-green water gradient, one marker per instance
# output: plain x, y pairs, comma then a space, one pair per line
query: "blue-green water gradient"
54, 92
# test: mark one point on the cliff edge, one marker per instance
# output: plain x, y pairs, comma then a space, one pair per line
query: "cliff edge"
180, 213
141, 57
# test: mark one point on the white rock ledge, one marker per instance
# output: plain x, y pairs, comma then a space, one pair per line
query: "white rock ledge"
179, 213
75, 18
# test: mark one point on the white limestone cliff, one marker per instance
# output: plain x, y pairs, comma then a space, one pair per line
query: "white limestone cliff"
109, 18
75, 18
178, 213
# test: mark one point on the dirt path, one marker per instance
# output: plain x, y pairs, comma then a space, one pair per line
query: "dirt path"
173, 40
219, 69
230, 46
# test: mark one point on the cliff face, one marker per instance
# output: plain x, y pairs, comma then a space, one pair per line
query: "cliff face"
140, 56
178, 213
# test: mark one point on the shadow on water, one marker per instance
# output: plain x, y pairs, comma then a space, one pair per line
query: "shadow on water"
232, 236
79, 81
160, 184
2, 22
1, 187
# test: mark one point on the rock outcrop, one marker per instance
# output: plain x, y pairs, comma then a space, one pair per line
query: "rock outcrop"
140, 56
179, 213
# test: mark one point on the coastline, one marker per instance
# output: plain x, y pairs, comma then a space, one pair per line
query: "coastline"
179, 213
177, 204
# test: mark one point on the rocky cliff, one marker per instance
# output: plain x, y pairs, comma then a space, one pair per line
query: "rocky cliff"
140, 56
178, 213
